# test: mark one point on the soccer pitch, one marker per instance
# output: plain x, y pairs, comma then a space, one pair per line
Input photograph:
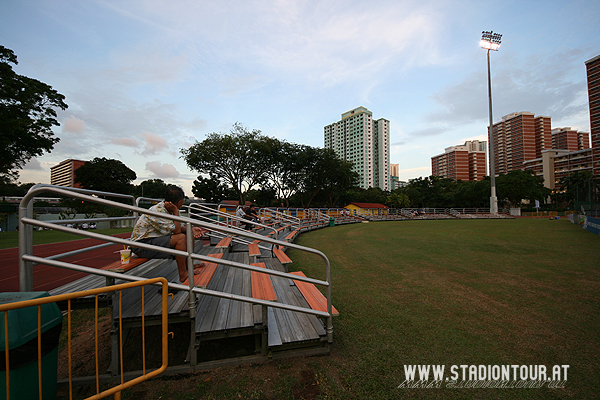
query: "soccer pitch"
471, 293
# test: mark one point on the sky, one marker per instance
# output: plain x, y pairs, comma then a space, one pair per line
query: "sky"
146, 78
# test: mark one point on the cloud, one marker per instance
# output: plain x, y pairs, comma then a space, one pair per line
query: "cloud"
154, 143
555, 89
413, 171
129, 142
33, 164
431, 131
73, 125
162, 171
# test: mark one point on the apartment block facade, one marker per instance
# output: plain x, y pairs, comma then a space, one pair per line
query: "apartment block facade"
467, 162
593, 80
558, 163
360, 139
519, 137
568, 139
63, 173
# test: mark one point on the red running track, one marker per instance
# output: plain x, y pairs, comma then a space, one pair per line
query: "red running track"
46, 277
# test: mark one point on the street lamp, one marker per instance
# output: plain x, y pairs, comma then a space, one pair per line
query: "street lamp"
491, 41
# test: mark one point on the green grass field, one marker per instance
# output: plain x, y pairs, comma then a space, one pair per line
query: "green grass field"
489, 292
475, 292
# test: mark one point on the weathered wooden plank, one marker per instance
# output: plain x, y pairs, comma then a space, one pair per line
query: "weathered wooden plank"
273, 329
315, 299
234, 318
212, 303
220, 321
247, 312
303, 328
297, 298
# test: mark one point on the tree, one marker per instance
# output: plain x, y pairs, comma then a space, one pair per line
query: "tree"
577, 186
398, 199
106, 175
211, 189
152, 188
27, 115
518, 185
237, 159
322, 171
286, 160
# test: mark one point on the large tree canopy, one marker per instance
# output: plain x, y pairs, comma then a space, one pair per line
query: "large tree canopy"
27, 115
579, 186
236, 158
520, 185
106, 175
244, 161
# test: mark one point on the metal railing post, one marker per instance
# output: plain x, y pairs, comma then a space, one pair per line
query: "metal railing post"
25, 247
189, 236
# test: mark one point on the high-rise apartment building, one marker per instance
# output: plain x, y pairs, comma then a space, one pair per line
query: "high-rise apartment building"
466, 162
555, 164
568, 139
63, 174
360, 139
519, 137
394, 176
593, 79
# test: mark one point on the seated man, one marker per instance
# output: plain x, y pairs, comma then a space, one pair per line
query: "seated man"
165, 232
240, 213
251, 215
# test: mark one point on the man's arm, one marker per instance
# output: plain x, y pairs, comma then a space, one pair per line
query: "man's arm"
173, 210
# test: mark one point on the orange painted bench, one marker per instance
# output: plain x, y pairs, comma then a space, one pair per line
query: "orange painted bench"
282, 257
313, 296
206, 273
292, 235
253, 251
224, 243
118, 267
262, 287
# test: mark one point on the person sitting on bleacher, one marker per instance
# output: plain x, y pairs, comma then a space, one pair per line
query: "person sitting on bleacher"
165, 232
252, 215
240, 213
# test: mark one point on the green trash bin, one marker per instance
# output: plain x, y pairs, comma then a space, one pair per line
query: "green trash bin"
23, 347
331, 221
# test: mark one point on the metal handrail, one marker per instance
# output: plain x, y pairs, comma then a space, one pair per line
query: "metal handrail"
284, 217
227, 217
116, 390
26, 249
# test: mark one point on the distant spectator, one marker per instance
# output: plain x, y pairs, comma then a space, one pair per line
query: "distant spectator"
251, 215
240, 213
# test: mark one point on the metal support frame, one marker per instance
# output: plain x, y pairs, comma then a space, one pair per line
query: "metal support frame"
27, 260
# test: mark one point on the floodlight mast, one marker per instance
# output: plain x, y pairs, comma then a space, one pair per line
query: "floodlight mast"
491, 41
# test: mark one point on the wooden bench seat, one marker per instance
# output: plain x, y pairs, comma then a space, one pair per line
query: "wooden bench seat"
118, 267
253, 251
292, 235
262, 287
206, 273
224, 243
282, 257
313, 296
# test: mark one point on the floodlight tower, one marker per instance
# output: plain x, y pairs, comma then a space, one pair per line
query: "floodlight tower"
491, 41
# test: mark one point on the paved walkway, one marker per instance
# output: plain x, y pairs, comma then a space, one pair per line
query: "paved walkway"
46, 277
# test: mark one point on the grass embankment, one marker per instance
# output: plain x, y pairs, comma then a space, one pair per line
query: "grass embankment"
480, 292
11, 239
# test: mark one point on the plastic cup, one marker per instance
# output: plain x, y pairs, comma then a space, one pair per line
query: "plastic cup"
125, 256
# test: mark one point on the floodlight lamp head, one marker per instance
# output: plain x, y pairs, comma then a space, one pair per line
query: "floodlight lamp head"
490, 40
